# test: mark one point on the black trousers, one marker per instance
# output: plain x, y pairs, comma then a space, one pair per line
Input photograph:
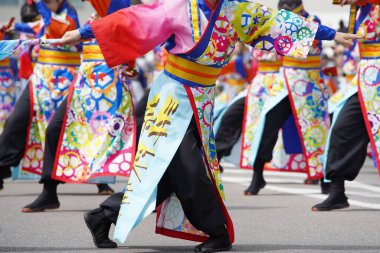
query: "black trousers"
348, 143
274, 121
53, 132
140, 113
54, 129
13, 138
230, 128
186, 177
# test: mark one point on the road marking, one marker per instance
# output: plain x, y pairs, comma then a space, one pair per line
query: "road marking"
312, 192
364, 186
266, 173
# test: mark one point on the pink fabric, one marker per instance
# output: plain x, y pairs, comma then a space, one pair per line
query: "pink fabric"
129, 33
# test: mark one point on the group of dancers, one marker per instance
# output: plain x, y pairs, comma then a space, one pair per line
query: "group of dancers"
76, 120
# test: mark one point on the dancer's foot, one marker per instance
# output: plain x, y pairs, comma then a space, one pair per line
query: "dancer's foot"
221, 168
42, 203
99, 226
105, 189
215, 244
1, 184
256, 185
336, 200
332, 202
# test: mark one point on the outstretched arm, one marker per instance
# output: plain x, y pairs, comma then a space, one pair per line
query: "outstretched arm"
127, 34
358, 2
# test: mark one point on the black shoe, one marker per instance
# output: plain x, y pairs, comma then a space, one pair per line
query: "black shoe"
41, 204
99, 226
255, 188
105, 189
1, 184
216, 244
257, 184
334, 201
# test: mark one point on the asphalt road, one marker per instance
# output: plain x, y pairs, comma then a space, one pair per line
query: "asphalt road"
278, 220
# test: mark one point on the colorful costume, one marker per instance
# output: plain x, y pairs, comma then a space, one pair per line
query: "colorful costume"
200, 40
7, 90
24, 133
362, 91
99, 134
262, 87
305, 126
93, 125
349, 70
356, 119
232, 80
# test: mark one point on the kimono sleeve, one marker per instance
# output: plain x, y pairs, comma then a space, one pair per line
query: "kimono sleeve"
132, 32
283, 32
364, 2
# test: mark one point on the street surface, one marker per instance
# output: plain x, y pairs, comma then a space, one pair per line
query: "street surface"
278, 220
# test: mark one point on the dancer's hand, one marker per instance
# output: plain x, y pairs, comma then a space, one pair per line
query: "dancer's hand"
345, 39
71, 37
347, 2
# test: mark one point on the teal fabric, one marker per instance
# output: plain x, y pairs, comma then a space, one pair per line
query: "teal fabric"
141, 201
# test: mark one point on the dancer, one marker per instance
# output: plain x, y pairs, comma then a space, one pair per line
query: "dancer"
356, 119
299, 109
92, 134
24, 132
176, 166
246, 107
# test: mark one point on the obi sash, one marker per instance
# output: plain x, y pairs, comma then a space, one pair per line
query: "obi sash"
91, 52
369, 51
49, 56
312, 62
191, 73
269, 66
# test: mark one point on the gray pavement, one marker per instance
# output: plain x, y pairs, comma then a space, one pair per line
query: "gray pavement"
278, 220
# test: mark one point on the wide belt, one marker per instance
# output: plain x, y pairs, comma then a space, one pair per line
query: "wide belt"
5, 62
368, 51
47, 56
269, 66
312, 62
92, 53
191, 73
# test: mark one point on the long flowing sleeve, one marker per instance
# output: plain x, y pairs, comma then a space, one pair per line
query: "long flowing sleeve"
25, 28
364, 2
325, 33
86, 32
132, 32
283, 32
